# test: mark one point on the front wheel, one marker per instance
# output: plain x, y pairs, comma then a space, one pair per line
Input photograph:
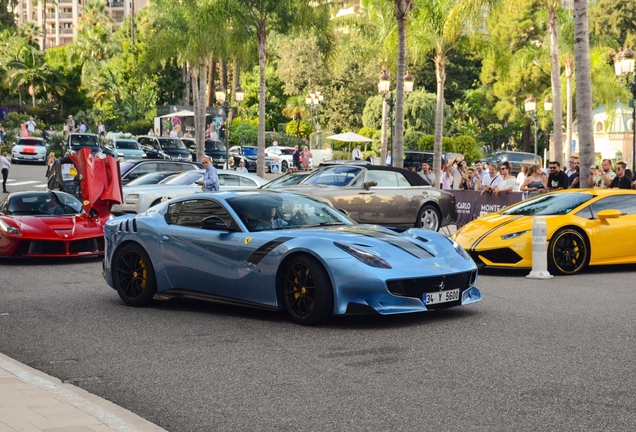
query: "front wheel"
568, 252
307, 291
284, 166
428, 218
134, 276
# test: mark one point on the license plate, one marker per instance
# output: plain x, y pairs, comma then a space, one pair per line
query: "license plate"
441, 296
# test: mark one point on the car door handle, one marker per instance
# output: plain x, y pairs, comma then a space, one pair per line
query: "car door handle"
165, 238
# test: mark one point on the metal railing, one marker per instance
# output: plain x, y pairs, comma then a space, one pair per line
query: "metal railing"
66, 30
66, 14
117, 4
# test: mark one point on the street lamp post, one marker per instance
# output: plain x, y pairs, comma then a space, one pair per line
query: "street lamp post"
531, 109
221, 97
624, 65
313, 100
384, 88
547, 106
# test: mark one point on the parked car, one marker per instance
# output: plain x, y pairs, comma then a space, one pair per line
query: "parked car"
215, 149
30, 149
138, 199
164, 148
516, 160
131, 169
389, 196
417, 158
126, 148
284, 154
282, 251
249, 156
78, 141
290, 178
153, 178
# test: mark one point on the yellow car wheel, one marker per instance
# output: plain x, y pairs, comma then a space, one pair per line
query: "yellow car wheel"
568, 252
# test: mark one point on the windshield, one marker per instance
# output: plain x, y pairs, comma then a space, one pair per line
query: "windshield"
550, 204
270, 211
44, 203
84, 140
184, 179
172, 144
152, 178
127, 145
334, 176
211, 146
286, 180
33, 142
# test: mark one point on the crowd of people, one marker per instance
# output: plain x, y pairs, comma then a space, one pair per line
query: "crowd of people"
490, 178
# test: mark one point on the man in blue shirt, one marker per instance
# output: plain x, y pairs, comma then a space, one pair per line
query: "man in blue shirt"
210, 180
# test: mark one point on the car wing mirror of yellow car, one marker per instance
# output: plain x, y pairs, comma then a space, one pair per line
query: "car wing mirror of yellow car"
603, 215
368, 184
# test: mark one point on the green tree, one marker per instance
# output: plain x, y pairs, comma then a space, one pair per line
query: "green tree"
7, 17
616, 18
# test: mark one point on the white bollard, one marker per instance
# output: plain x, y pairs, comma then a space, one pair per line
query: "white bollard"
539, 252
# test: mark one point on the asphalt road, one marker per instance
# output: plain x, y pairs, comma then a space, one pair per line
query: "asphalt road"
533, 355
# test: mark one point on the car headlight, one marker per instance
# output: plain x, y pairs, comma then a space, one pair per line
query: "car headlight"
8, 228
189, 158
121, 155
364, 256
460, 250
132, 196
514, 235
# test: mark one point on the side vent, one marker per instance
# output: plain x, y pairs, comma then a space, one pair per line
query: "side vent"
134, 225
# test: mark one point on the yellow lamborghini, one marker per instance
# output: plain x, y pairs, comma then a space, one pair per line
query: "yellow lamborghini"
584, 227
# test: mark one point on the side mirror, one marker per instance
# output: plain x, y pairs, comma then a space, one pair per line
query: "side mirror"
213, 223
603, 215
368, 185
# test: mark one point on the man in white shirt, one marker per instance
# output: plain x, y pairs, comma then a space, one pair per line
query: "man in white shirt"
82, 127
30, 126
426, 174
388, 158
481, 172
174, 134
491, 180
508, 182
5, 164
604, 177
357, 154
241, 167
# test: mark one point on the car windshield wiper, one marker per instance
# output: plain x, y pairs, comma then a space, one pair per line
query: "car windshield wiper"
321, 224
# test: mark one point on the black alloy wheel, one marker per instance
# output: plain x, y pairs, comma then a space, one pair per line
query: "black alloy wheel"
307, 291
134, 275
568, 252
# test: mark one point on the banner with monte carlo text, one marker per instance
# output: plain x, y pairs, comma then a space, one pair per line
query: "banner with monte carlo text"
471, 204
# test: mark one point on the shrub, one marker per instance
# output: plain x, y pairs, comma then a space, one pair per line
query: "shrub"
412, 140
366, 132
243, 133
138, 127
294, 128
341, 155
426, 143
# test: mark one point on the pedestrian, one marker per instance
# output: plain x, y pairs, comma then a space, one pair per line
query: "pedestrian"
508, 182
447, 177
23, 130
306, 158
151, 132
71, 124
241, 167
604, 177
174, 134
533, 182
357, 154
427, 174
557, 180
296, 158
50, 160
621, 181
82, 127
2, 133
388, 158
275, 143
101, 130
31, 126
210, 182
6, 164
491, 181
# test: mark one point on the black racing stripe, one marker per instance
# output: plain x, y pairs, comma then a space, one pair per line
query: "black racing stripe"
262, 251
490, 231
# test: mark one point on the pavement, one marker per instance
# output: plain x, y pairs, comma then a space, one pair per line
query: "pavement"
31, 401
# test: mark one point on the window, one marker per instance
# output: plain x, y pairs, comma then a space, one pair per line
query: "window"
384, 178
402, 181
626, 204
244, 181
229, 180
599, 127
334, 176
142, 169
191, 213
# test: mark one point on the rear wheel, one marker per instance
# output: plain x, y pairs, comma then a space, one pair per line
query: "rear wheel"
307, 291
134, 276
428, 218
284, 166
568, 252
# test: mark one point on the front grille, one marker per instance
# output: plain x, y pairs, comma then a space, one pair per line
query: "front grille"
86, 245
418, 287
497, 256
38, 247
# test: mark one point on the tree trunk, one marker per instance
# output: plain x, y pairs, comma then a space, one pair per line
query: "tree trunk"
223, 73
440, 73
583, 88
44, 25
262, 57
196, 96
186, 80
402, 8
568, 134
236, 81
555, 73
385, 132
211, 76
199, 124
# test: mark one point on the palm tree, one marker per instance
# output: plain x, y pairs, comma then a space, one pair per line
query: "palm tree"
441, 25
402, 9
296, 108
583, 86
555, 74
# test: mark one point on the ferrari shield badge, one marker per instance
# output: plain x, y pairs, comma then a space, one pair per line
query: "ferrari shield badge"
248, 240
86, 202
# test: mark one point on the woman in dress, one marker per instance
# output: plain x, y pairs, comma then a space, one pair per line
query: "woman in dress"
50, 160
306, 156
533, 182
23, 130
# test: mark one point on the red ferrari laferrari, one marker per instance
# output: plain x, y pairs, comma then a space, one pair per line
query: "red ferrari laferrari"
59, 224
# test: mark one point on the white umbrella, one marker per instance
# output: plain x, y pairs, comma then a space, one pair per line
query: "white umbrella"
183, 113
350, 137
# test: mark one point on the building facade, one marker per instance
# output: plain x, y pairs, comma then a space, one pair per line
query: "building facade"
61, 16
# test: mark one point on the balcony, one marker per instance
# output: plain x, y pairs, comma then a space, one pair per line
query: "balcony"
66, 15
117, 4
118, 19
66, 30
64, 1
50, 15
